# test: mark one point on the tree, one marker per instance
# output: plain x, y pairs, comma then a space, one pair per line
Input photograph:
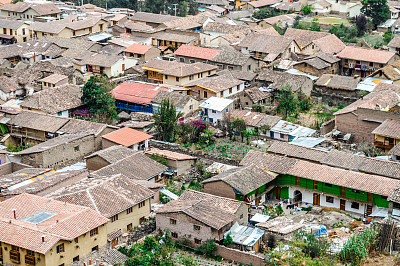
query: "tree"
307, 9
377, 10
361, 23
256, 108
192, 8
183, 9
96, 95
166, 120
239, 125
154, 6
208, 247
228, 240
387, 37
296, 22
287, 102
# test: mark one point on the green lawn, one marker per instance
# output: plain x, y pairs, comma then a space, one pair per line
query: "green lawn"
329, 20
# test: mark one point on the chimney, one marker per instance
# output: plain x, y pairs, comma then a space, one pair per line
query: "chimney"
57, 221
15, 213
43, 238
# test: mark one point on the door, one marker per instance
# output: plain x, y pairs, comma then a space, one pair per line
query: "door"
297, 181
343, 191
278, 193
257, 202
316, 199
342, 205
123, 67
114, 243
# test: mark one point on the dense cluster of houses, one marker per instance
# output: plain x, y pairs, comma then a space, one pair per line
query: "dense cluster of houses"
71, 187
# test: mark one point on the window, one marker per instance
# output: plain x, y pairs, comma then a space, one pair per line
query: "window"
75, 259
209, 72
282, 136
174, 235
172, 221
114, 218
76, 240
196, 228
371, 64
205, 94
247, 103
182, 60
177, 79
191, 107
95, 248
23, 31
60, 248
355, 191
227, 110
213, 111
315, 185
241, 216
384, 197
129, 227
249, 67
219, 67
191, 77
76, 148
230, 67
192, 61
129, 210
358, 62
4, 31
166, 77
328, 185
329, 199
142, 220
230, 90
94, 232
197, 241
142, 204
355, 205
30, 258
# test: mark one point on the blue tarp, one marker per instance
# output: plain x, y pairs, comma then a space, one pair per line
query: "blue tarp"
321, 230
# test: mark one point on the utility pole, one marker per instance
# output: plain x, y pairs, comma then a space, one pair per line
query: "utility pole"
175, 8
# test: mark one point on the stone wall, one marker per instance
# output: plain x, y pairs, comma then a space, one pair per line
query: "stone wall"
327, 127
141, 230
194, 154
240, 256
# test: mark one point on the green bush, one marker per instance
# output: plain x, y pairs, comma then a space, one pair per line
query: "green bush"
208, 248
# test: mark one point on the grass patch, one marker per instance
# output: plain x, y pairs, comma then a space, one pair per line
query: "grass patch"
329, 20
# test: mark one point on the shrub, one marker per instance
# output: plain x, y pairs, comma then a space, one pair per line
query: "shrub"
228, 240
208, 248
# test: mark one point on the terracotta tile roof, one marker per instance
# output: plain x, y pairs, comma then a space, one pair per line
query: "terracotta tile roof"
54, 78
162, 64
395, 42
109, 196
178, 99
186, 23
244, 179
339, 159
82, 126
262, 3
170, 154
175, 37
211, 210
256, 95
367, 55
9, 23
254, 119
288, 6
295, 151
389, 71
330, 44
127, 136
112, 154
54, 142
66, 222
242, 75
20, 176
304, 37
216, 83
151, 18
54, 100
38, 121
338, 82
137, 27
48, 182
225, 28
278, 79
188, 69
136, 92
137, 48
197, 52
270, 45
113, 257
95, 59
231, 56
41, 9
389, 128
395, 150
57, 26
342, 177
137, 166
383, 96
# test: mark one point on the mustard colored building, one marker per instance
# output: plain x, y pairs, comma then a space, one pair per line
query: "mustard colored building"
125, 202
36, 231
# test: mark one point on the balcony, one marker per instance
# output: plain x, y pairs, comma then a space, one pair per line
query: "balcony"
388, 145
30, 260
15, 256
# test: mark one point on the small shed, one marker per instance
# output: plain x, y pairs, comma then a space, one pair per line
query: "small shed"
179, 162
127, 137
246, 238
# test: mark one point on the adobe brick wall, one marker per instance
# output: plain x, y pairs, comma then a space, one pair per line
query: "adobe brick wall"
95, 163
240, 256
327, 126
219, 188
362, 122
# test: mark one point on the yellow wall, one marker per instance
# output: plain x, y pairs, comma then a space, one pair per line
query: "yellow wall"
171, 80
71, 250
132, 218
68, 33
18, 33
27, 15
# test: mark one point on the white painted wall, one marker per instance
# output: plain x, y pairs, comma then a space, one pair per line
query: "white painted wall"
235, 90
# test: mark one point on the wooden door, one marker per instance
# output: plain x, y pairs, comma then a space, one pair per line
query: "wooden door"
278, 193
316, 199
114, 243
369, 197
257, 202
297, 181
343, 191
342, 205
315, 185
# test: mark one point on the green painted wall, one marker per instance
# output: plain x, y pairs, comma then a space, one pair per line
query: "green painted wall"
361, 195
284, 193
379, 201
239, 197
